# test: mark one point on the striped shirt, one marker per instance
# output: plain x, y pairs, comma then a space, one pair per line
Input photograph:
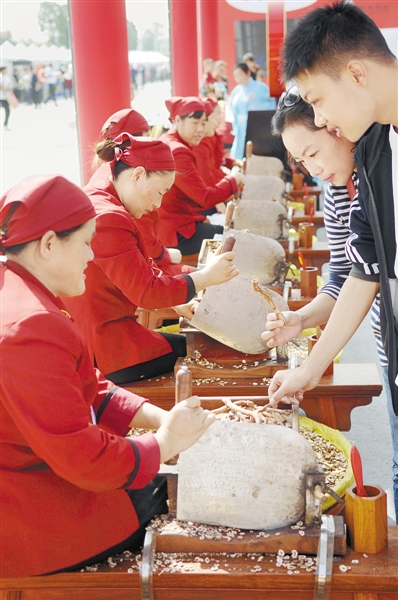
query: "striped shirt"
337, 209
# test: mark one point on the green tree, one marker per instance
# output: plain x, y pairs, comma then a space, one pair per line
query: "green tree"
148, 40
153, 39
132, 35
54, 21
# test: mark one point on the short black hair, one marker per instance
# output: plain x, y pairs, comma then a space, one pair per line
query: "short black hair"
242, 67
197, 114
325, 37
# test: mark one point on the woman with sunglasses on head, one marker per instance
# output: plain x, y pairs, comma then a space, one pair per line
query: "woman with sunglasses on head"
122, 277
132, 122
182, 222
74, 490
316, 151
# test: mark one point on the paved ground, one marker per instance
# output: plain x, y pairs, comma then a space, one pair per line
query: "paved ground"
45, 141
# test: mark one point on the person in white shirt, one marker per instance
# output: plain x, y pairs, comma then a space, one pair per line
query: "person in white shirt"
51, 79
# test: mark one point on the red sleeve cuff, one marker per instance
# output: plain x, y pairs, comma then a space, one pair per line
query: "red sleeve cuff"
118, 409
148, 452
232, 183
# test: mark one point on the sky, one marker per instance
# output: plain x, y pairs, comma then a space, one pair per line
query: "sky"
20, 17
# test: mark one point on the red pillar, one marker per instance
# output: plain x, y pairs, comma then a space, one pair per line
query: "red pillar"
184, 50
207, 18
275, 32
101, 68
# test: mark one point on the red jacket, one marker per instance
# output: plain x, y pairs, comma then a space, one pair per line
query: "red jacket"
210, 157
181, 206
119, 279
62, 478
148, 225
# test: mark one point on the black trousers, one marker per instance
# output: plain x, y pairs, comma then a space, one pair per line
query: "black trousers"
6, 107
154, 367
193, 244
51, 93
148, 502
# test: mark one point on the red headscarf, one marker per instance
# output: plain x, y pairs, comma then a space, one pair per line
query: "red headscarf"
147, 152
210, 104
124, 120
177, 105
44, 203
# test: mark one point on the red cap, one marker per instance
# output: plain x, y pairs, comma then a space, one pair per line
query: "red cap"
147, 152
177, 105
124, 120
210, 104
45, 202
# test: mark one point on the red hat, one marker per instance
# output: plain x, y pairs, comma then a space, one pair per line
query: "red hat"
177, 105
124, 120
147, 152
210, 105
43, 203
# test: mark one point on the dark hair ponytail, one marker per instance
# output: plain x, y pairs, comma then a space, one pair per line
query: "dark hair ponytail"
105, 150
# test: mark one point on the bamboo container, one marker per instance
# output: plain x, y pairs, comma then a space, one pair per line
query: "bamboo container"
306, 231
366, 518
308, 282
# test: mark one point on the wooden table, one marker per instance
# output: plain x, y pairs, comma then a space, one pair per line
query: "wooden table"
372, 578
297, 195
331, 402
317, 220
316, 256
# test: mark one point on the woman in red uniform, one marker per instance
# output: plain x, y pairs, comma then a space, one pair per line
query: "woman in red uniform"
210, 152
132, 122
182, 222
74, 490
122, 277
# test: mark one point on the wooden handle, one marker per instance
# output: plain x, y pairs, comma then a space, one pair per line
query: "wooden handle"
249, 149
183, 384
229, 243
229, 215
244, 166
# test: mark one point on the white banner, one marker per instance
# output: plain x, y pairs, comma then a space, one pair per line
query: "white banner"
261, 6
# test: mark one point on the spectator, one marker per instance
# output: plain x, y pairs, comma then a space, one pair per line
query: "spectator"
248, 59
5, 91
248, 95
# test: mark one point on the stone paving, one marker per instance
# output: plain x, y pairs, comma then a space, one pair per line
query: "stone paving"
45, 141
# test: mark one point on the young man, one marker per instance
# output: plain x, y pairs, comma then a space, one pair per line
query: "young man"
345, 70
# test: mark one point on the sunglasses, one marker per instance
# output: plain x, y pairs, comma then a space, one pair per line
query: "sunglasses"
289, 98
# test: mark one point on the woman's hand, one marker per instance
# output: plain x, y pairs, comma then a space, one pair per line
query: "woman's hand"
289, 386
221, 268
187, 310
278, 333
239, 178
182, 427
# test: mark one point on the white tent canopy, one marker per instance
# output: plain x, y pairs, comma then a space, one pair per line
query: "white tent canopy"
149, 57
34, 53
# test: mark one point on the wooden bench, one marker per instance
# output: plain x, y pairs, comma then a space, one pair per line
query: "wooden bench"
330, 402
374, 577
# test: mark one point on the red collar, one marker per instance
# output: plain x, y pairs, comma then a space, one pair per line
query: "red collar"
27, 276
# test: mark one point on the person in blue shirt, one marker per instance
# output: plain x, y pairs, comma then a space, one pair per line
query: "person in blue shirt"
248, 95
